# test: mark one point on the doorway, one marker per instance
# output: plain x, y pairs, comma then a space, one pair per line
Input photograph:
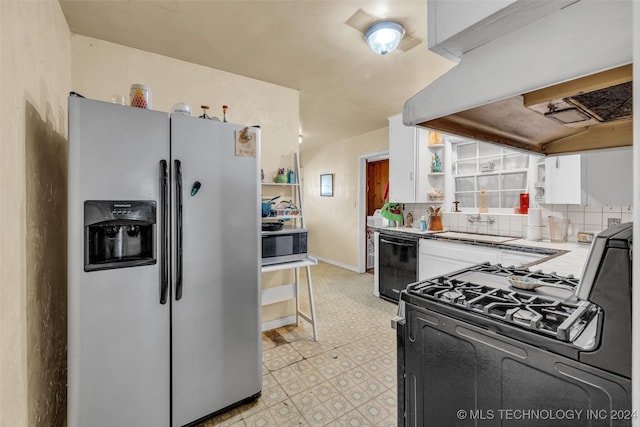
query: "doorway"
377, 178
361, 203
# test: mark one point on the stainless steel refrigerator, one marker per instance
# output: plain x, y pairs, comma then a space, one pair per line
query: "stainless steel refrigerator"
163, 266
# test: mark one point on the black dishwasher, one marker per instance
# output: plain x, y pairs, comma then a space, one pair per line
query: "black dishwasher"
398, 264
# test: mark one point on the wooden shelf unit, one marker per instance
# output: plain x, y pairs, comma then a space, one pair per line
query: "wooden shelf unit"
289, 291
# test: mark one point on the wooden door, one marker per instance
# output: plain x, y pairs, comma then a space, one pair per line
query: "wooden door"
377, 178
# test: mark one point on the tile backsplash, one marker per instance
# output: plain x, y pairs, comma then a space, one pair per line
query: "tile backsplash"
591, 219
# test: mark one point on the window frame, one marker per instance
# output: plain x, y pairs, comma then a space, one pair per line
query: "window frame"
495, 153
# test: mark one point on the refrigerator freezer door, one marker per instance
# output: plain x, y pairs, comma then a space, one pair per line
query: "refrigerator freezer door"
216, 342
118, 331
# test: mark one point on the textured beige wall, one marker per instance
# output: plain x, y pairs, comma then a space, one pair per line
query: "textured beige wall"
333, 221
35, 79
101, 70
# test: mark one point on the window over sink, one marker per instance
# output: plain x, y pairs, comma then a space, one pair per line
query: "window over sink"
503, 172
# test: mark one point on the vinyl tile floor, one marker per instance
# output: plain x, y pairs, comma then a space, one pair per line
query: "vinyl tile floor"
346, 378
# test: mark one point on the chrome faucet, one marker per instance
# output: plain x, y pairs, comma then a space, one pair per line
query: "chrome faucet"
478, 218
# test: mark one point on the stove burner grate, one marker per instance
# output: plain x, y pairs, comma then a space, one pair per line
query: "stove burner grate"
551, 278
542, 314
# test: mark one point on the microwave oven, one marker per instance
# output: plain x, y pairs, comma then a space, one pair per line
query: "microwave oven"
284, 246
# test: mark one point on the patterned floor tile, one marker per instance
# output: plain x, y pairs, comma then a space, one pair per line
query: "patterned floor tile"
375, 412
342, 382
283, 350
388, 378
358, 375
319, 415
324, 391
352, 419
358, 395
273, 395
346, 379
285, 411
339, 406
373, 386
309, 348
228, 418
275, 363
329, 370
252, 408
268, 380
306, 400
269, 354
293, 386
261, 419
388, 400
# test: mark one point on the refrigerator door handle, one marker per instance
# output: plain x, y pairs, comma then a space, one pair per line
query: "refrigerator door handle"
178, 170
164, 228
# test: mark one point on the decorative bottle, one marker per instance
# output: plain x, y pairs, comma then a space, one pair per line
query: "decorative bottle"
423, 223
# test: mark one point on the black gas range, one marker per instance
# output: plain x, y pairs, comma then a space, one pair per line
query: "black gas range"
475, 350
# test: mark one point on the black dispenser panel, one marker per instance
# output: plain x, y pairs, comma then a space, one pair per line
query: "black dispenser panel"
119, 234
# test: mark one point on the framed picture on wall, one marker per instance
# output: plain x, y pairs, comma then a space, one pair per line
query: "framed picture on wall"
326, 185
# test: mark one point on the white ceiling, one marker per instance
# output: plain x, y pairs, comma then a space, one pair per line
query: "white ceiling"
345, 89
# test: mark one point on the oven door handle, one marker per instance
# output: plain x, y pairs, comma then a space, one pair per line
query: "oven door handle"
164, 228
179, 284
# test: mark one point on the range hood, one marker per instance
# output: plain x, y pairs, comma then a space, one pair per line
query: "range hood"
559, 85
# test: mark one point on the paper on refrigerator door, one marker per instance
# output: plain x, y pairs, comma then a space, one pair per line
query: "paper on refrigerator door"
245, 143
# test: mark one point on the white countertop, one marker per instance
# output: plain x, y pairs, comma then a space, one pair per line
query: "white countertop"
568, 262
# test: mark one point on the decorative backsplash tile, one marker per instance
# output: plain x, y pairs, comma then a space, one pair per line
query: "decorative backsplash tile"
591, 219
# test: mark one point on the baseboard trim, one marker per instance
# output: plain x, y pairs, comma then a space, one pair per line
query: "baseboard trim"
336, 263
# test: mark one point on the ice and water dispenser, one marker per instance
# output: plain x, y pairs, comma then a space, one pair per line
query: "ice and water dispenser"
119, 234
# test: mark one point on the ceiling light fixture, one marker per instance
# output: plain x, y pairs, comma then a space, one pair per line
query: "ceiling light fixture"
384, 37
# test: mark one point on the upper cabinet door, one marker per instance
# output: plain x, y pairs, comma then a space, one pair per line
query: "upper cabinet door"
563, 183
595, 178
608, 177
408, 162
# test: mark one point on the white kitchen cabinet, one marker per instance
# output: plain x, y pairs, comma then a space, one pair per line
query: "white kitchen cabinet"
563, 184
409, 162
595, 178
608, 177
437, 257
457, 27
